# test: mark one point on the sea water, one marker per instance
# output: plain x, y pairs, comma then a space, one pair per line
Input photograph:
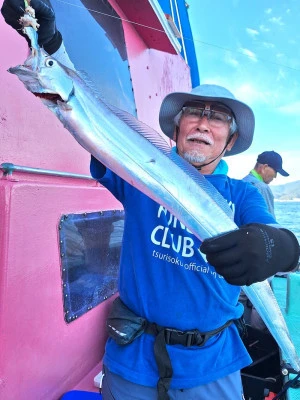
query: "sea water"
288, 215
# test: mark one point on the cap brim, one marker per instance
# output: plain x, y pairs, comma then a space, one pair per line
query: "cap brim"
173, 103
283, 172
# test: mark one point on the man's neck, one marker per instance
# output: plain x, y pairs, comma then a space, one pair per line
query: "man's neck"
218, 168
209, 169
256, 174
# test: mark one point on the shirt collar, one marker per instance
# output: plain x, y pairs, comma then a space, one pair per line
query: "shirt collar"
256, 174
221, 168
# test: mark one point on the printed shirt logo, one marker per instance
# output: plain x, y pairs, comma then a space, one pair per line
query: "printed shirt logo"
160, 235
175, 244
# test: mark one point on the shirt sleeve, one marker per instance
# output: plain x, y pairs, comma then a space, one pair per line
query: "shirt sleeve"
254, 208
116, 185
62, 56
97, 169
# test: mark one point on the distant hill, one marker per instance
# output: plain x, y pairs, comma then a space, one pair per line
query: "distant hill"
289, 191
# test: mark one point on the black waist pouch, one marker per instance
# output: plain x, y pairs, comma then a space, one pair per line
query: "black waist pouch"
123, 325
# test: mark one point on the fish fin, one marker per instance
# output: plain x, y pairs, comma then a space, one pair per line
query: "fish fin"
91, 85
149, 133
145, 130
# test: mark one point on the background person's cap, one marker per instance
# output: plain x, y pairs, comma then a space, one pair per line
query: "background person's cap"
244, 117
273, 160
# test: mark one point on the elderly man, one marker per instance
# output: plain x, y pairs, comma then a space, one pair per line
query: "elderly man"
268, 164
206, 124
173, 329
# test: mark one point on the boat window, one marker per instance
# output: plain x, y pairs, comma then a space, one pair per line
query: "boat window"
90, 246
94, 38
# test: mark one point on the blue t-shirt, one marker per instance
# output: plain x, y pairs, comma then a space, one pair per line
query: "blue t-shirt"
164, 279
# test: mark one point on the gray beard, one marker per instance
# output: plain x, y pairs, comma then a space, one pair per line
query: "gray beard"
193, 156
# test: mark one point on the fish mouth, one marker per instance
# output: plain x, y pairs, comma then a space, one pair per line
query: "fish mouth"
31, 81
54, 101
53, 98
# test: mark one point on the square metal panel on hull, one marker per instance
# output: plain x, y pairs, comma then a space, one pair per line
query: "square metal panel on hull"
90, 246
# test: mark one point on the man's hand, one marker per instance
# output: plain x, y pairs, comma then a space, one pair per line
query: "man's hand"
252, 253
48, 36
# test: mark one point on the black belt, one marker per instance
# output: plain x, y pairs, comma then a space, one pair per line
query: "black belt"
169, 336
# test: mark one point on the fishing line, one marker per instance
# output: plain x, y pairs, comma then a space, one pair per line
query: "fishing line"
112, 16
183, 37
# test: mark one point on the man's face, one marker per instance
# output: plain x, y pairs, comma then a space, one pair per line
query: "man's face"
268, 173
202, 138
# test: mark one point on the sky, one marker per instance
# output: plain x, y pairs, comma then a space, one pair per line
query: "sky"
252, 47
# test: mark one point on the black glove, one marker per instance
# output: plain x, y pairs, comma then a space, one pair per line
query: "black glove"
48, 36
252, 253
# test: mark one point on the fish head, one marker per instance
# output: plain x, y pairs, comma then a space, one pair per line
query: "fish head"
46, 78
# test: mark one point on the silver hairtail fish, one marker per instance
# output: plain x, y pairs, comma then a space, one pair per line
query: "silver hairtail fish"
139, 155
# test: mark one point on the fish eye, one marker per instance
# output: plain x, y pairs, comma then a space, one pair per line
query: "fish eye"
49, 62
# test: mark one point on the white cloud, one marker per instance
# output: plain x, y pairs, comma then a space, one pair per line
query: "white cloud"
248, 53
290, 109
229, 59
250, 94
253, 88
268, 45
252, 32
281, 75
245, 91
277, 21
268, 11
240, 165
263, 28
